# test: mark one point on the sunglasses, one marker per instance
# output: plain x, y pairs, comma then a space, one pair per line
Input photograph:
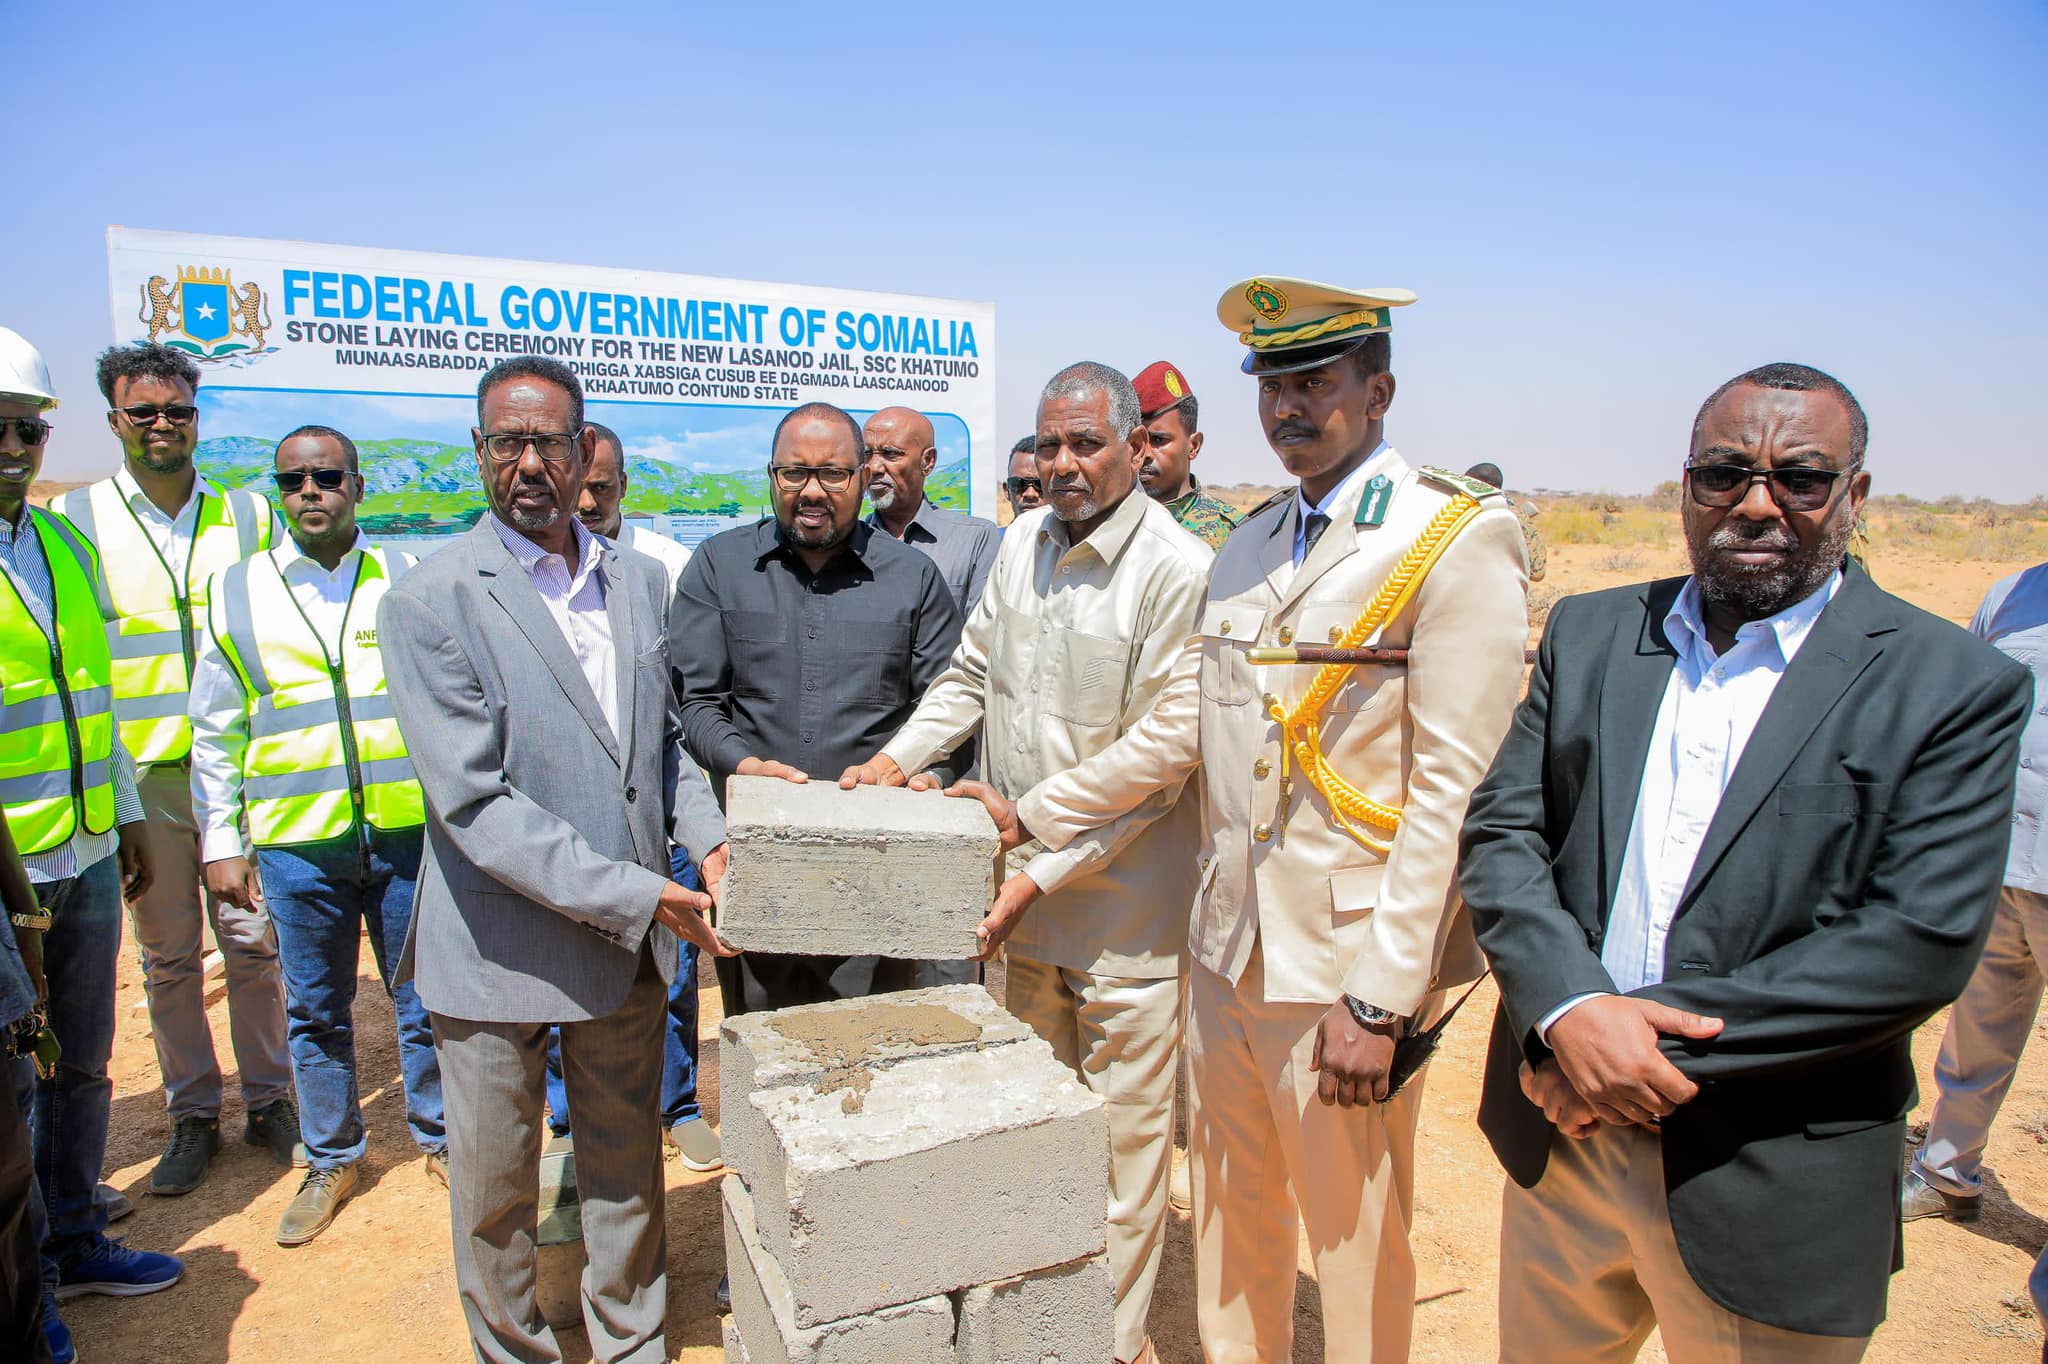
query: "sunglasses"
327, 480
145, 414
1018, 486
1795, 488
32, 430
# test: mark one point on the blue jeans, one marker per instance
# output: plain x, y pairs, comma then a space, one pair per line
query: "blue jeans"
679, 1042
68, 1115
320, 896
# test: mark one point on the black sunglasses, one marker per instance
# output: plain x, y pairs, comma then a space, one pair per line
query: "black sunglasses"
32, 430
145, 414
327, 480
1796, 487
1018, 485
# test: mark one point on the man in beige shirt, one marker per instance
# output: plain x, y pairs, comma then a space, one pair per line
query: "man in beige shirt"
1327, 920
1088, 605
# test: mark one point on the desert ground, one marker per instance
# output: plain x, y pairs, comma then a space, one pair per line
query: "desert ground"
379, 1286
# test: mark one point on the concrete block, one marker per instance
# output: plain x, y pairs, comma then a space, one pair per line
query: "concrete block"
822, 1044
735, 1348
1062, 1315
869, 872
763, 1311
929, 1176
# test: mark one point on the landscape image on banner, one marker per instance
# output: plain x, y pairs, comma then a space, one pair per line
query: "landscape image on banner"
693, 469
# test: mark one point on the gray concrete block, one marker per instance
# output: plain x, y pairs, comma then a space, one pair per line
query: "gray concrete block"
764, 1316
939, 1173
872, 871
822, 1044
735, 1348
1062, 1315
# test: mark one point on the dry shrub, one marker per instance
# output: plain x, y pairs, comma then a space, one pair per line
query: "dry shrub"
1622, 560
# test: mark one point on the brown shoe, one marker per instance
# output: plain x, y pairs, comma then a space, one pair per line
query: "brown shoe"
313, 1208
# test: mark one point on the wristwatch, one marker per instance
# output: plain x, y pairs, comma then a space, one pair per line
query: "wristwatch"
1370, 1015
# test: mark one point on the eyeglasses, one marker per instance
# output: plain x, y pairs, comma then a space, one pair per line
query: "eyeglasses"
1018, 486
506, 446
327, 480
792, 477
146, 414
32, 430
1794, 488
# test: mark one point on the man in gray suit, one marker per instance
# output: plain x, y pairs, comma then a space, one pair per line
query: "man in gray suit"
529, 667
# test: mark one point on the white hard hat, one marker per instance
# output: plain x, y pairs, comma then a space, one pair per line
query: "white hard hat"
22, 371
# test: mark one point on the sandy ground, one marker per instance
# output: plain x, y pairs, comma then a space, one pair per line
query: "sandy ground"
379, 1285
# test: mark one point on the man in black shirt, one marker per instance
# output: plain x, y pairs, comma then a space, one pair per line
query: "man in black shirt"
801, 645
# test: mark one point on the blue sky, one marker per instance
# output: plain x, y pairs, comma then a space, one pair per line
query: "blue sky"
1605, 209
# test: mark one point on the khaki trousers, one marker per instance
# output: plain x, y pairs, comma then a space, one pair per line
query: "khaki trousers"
1122, 1037
1267, 1157
1588, 1265
169, 926
1987, 1030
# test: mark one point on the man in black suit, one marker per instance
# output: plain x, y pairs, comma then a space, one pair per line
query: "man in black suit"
1744, 835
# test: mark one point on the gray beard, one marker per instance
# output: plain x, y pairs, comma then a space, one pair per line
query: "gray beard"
520, 520
1756, 593
883, 495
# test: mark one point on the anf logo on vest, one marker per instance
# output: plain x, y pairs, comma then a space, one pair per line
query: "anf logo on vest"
206, 314
366, 636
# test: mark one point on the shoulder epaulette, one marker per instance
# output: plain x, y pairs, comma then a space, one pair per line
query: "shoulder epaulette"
1471, 487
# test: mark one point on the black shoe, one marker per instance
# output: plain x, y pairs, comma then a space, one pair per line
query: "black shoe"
723, 1293
183, 1164
275, 1127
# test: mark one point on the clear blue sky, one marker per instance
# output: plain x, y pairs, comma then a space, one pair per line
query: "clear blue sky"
1605, 209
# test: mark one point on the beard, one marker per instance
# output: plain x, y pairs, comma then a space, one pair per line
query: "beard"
883, 494
170, 461
527, 520
1754, 591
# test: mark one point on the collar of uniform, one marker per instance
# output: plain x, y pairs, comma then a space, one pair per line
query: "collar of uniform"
139, 500
1109, 538
1374, 462
1177, 505
769, 540
1685, 624
926, 517
289, 555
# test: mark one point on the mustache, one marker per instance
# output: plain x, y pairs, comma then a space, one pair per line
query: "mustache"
1753, 535
1293, 429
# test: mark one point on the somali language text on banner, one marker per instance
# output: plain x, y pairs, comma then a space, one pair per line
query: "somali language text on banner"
693, 373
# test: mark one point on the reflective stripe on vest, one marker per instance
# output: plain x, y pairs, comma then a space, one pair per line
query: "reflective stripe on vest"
324, 754
149, 613
56, 701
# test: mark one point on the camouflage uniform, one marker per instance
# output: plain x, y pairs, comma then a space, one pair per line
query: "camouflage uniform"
1203, 516
1532, 539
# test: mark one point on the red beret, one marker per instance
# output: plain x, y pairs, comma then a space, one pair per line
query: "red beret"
1159, 387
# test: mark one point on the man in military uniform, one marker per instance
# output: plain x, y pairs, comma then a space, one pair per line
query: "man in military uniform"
1489, 473
1327, 923
1171, 444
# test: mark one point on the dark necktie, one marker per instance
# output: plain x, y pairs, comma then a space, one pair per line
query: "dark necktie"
1311, 531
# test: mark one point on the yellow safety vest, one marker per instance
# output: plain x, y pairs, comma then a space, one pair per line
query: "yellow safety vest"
149, 613
57, 720
324, 754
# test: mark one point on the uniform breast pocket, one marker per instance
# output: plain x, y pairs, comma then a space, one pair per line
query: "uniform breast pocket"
1834, 799
1228, 629
755, 647
1087, 686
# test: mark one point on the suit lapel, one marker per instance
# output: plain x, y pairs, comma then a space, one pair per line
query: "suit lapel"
618, 609
1276, 555
1631, 692
1845, 640
514, 591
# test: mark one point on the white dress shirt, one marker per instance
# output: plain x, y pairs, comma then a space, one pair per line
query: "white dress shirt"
2014, 620
172, 535
1710, 708
1374, 463
577, 604
218, 708
672, 555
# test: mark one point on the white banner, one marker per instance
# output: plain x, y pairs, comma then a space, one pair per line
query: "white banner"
693, 373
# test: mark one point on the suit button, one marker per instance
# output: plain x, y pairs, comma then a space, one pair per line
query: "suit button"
1224, 628
1264, 833
631, 792
1261, 768
1270, 700
1336, 633
1286, 635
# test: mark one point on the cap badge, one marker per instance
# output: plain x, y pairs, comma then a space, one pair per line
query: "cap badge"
1173, 384
1267, 301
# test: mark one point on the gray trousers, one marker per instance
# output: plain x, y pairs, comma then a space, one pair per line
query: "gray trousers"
492, 1084
171, 930
1987, 1030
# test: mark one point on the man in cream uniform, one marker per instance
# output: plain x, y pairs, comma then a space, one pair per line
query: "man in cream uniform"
1085, 611
1323, 928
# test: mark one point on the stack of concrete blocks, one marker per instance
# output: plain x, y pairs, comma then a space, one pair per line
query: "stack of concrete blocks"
916, 1180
